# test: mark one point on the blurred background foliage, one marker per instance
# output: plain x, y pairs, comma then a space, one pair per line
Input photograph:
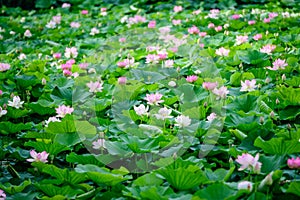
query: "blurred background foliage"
149, 5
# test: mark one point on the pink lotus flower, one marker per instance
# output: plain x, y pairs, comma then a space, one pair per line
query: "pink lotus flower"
211, 117
75, 24
71, 52
209, 85
56, 19
202, 34
126, 63
152, 24
173, 49
1, 92
67, 73
162, 55
164, 113
248, 85
241, 39
57, 55
154, 99
201, 45
99, 144
27, 33
245, 185
66, 66
176, 22
251, 22
273, 15
136, 19
177, 8
267, 20
141, 110
221, 92
38, 157
83, 65
2, 195
294, 163
249, 162
193, 30
235, 16
71, 62
218, 28
122, 80
51, 119
122, 40
182, 121
2, 112
278, 64
192, 78
84, 12
63, 110
95, 86
269, 48
152, 58
66, 5
222, 51
257, 37
211, 25
169, 63
4, 67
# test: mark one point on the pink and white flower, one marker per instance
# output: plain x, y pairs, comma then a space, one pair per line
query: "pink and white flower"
75, 24
182, 121
249, 162
152, 24
193, 30
122, 80
71, 52
245, 185
95, 86
141, 110
2, 195
152, 58
192, 78
51, 119
177, 8
63, 110
176, 22
163, 114
154, 99
16, 103
235, 16
84, 12
248, 86
209, 85
251, 22
241, 39
221, 92
278, 64
27, 33
99, 144
94, 31
4, 67
211, 117
218, 28
169, 63
294, 163
2, 112
126, 63
257, 37
269, 48
38, 157
222, 51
